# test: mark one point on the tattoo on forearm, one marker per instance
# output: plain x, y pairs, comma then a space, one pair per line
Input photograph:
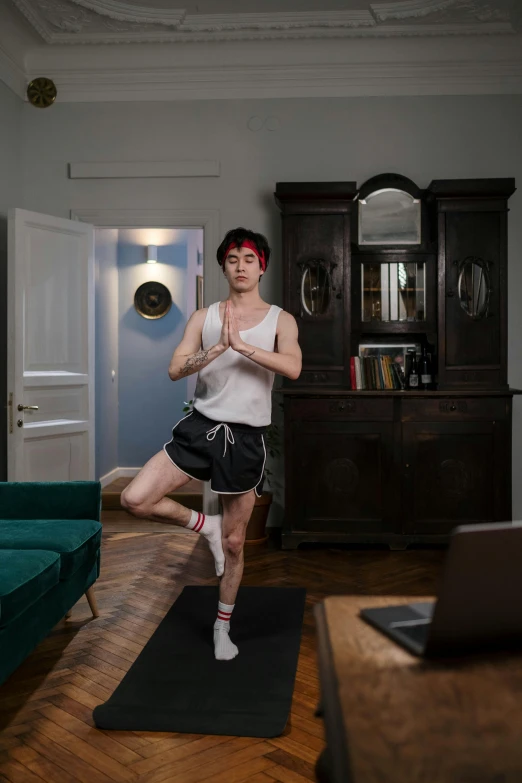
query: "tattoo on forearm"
196, 360
250, 354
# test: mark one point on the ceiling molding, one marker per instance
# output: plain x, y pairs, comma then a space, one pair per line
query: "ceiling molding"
12, 75
336, 80
110, 21
134, 13
408, 9
433, 66
297, 20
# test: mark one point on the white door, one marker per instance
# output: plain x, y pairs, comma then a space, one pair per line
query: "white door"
50, 348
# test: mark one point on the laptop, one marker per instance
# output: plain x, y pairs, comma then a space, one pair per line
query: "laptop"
479, 601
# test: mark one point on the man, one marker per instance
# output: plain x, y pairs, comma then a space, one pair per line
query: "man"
236, 347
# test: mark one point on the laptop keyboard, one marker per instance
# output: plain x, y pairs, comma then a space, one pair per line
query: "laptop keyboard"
417, 633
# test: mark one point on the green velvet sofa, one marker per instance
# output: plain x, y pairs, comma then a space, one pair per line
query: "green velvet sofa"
50, 538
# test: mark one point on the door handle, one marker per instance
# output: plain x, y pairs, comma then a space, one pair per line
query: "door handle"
28, 407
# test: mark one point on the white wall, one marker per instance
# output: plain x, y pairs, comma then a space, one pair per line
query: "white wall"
299, 139
10, 193
106, 351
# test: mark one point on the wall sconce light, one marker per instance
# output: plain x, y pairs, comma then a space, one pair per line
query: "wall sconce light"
152, 254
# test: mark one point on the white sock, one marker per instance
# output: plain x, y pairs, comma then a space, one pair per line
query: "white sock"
210, 527
224, 649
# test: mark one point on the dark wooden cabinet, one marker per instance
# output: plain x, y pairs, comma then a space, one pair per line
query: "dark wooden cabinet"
316, 236
472, 261
390, 466
343, 478
451, 471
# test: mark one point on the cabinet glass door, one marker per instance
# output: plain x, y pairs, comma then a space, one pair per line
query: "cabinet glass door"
393, 292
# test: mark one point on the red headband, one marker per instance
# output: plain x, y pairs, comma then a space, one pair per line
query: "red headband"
251, 246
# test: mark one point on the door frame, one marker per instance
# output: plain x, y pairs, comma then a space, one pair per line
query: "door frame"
214, 289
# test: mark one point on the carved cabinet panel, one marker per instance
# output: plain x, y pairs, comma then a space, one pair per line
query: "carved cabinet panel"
394, 468
452, 474
316, 263
316, 286
342, 476
472, 249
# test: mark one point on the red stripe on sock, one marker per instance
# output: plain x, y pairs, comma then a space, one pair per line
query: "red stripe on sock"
200, 522
224, 615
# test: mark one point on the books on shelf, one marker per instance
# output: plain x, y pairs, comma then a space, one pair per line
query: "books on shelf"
376, 373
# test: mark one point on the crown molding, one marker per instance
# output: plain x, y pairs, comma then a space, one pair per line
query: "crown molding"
134, 13
297, 20
109, 21
292, 81
12, 75
274, 33
409, 9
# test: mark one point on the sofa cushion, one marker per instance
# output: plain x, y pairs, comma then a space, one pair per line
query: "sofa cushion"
25, 575
50, 499
76, 540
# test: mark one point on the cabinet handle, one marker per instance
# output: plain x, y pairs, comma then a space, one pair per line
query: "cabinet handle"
344, 405
453, 407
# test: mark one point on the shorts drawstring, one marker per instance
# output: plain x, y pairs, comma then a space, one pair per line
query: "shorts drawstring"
211, 434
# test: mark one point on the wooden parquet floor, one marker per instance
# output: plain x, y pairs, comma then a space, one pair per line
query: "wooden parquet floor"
46, 727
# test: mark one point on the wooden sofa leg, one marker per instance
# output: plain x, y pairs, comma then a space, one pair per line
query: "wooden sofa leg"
92, 602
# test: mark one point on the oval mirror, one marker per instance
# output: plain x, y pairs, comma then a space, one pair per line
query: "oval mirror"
474, 287
315, 288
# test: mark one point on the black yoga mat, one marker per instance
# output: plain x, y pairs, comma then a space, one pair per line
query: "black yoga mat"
177, 685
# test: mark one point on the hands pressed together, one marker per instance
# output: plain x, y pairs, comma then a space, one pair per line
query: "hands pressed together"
230, 337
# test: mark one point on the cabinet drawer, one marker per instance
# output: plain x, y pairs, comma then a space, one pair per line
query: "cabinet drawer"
457, 408
342, 409
321, 377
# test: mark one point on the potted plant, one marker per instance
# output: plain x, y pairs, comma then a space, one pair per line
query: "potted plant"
256, 528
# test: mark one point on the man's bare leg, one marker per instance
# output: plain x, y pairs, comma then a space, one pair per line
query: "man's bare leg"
237, 510
145, 497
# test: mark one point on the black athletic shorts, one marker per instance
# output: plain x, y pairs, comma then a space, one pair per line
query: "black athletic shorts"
231, 456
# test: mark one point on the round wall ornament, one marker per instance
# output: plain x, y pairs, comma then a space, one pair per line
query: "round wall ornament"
41, 92
152, 300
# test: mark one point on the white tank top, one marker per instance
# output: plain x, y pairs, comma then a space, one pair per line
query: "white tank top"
233, 388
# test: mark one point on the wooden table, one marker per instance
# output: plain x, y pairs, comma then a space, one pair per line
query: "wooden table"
391, 717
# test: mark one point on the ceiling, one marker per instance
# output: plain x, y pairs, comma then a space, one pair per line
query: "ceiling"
107, 50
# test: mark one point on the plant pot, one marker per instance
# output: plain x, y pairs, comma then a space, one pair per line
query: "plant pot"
256, 528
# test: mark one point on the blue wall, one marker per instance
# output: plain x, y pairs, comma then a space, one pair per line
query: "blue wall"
150, 403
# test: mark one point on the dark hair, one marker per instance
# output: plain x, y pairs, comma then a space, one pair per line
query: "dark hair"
238, 236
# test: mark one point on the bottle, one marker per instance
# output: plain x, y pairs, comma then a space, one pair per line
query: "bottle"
425, 370
413, 377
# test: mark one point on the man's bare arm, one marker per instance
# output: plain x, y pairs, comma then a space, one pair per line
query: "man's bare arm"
287, 360
189, 357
